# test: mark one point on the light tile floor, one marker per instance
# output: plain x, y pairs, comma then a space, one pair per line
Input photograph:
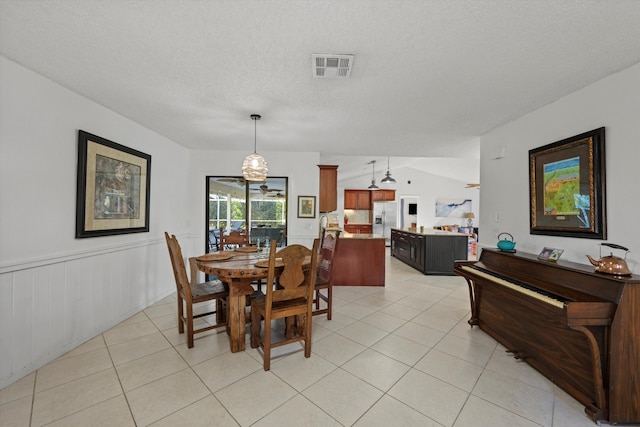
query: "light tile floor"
401, 355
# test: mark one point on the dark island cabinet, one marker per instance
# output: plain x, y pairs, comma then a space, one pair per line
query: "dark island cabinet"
408, 248
430, 253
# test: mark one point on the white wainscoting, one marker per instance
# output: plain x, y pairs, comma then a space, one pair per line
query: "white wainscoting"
48, 307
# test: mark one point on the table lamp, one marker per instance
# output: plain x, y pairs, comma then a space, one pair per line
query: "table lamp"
469, 216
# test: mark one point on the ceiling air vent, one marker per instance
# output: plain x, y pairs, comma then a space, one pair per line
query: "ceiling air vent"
330, 66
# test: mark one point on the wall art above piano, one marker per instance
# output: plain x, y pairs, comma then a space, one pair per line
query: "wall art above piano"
567, 187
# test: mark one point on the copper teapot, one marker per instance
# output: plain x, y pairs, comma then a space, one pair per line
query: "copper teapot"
612, 264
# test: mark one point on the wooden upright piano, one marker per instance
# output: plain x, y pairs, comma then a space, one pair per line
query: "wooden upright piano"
579, 328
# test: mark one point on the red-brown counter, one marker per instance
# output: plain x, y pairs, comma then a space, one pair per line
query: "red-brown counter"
359, 260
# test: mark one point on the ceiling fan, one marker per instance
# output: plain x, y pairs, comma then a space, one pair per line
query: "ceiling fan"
239, 181
264, 189
278, 195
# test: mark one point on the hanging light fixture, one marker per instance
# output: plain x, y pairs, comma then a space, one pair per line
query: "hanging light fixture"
254, 167
387, 177
373, 185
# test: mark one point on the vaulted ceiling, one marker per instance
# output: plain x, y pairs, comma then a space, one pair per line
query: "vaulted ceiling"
428, 78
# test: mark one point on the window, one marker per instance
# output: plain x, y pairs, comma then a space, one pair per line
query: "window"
265, 216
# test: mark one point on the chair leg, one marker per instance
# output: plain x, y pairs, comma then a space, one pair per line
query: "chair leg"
255, 328
330, 299
300, 325
317, 299
267, 344
307, 334
189, 326
220, 311
180, 315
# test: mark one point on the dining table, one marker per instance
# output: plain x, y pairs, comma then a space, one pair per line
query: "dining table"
237, 268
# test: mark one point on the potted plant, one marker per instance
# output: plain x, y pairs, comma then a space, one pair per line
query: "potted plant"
346, 219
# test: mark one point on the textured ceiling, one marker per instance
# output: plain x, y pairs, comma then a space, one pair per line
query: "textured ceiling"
429, 77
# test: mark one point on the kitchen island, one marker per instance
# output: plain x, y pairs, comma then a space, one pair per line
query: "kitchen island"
432, 251
359, 260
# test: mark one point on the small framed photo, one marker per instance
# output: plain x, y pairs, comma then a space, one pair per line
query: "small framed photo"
550, 254
306, 206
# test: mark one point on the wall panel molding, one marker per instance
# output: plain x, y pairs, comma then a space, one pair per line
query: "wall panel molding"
50, 306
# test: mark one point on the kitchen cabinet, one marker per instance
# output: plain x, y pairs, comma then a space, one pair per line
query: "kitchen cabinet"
357, 199
358, 228
328, 188
383, 195
431, 252
408, 248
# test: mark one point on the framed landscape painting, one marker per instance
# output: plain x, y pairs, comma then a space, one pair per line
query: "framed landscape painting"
113, 188
567, 187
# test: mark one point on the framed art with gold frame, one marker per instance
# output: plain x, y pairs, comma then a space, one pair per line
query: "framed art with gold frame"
567, 187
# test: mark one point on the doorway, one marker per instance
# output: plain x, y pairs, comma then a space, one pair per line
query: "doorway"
258, 208
408, 211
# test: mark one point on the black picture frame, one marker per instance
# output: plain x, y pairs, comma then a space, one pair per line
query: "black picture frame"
113, 188
567, 187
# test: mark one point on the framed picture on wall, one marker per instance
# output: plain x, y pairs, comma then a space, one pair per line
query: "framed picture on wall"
306, 206
567, 187
113, 188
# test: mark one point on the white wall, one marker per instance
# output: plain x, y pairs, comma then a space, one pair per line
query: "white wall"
57, 291
424, 187
613, 102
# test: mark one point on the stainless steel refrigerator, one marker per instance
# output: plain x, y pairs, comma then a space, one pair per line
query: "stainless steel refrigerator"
385, 216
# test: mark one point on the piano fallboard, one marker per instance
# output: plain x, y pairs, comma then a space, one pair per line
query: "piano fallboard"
574, 281
579, 328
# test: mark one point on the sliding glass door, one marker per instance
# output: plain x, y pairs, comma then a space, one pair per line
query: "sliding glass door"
236, 204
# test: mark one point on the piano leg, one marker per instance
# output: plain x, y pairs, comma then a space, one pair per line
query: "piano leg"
474, 311
594, 411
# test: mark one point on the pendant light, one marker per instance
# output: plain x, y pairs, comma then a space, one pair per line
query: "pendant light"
387, 178
254, 167
373, 185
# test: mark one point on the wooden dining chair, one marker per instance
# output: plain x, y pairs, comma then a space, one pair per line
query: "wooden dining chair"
292, 297
190, 293
234, 238
324, 279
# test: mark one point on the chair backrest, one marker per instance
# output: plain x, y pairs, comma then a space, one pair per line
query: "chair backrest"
233, 238
194, 273
296, 279
177, 263
328, 246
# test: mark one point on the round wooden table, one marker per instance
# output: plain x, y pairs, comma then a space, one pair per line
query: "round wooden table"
237, 272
